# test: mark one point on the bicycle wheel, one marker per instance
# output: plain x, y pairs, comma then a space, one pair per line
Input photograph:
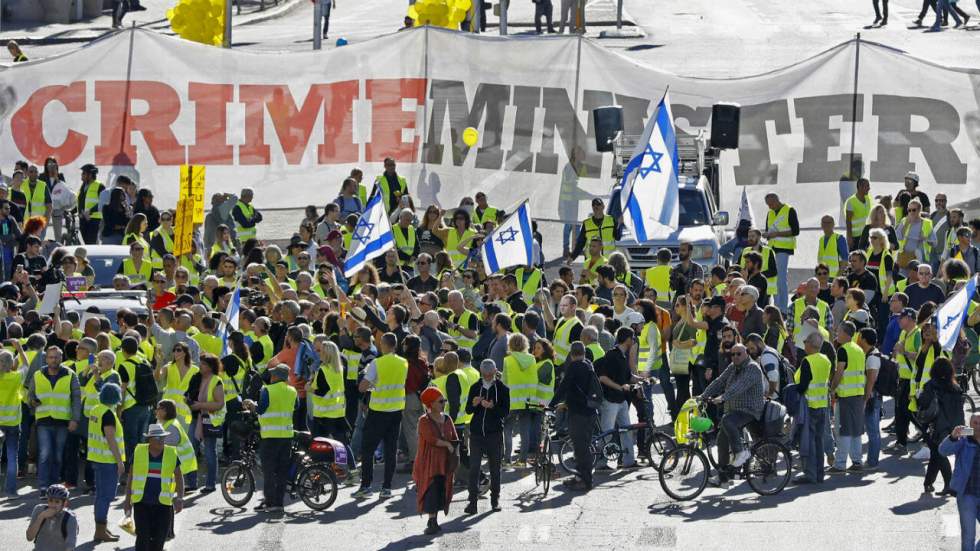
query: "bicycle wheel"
237, 484
975, 377
658, 444
969, 405
317, 486
547, 470
566, 456
684, 473
769, 468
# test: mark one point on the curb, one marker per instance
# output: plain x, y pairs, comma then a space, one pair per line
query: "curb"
284, 8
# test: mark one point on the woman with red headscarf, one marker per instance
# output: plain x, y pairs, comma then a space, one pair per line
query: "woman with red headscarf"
436, 460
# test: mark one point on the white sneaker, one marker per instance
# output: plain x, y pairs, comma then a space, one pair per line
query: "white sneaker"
922, 454
741, 457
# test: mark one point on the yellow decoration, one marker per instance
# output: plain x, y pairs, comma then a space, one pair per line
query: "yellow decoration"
199, 20
470, 136
440, 13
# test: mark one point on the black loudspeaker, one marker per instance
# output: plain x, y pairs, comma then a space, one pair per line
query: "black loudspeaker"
608, 122
724, 125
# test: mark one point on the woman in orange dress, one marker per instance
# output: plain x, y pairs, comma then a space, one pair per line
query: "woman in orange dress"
436, 460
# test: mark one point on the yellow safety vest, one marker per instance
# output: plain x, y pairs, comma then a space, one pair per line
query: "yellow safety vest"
168, 245
463, 320
185, 450
176, 387
658, 278
217, 418
545, 391
55, 401
604, 230
98, 444
529, 281
915, 387
521, 378
277, 421
852, 381
646, 348
191, 263
268, 349
11, 395
141, 471
90, 394
591, 263
387, 192
137, 275
911, 341
764, 252
91, 200
234, 385
799, 305
333, 404
860, 210
36, 199
353, 356
563, 332
779, 221
442, 383
886, 290
828, 254
404, 242
489, 215
389, 391
816, 391
243, 233
597, 351
926, 232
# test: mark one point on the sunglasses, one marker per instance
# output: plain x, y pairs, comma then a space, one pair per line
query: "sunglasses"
823, 273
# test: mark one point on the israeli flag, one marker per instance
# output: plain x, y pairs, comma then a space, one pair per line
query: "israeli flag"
231, 314
511, 243
745, 209
650, 191
372, 235
952, 314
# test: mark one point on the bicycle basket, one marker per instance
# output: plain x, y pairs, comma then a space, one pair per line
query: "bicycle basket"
700, 424
682, 424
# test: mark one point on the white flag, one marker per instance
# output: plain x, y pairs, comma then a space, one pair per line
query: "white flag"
951, 315
745, 209
371, 236
651, 193
511, 243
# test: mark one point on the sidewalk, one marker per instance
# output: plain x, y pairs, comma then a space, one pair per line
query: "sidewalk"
244, 12
600, 15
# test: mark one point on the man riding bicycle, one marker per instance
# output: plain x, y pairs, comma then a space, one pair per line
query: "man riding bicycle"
741, 386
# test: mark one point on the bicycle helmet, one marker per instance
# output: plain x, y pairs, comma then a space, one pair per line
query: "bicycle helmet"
56, 491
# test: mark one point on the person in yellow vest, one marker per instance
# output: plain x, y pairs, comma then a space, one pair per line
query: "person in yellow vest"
134, 416
929, 351
37, 195
848, 385
832, 248
915, 236
658, 277
166, 415
566, 329
246, 216
811, 290
89, 214
782, 227
484, 212
391, 185
175, 380
106, 455
464, 324
599, 225
768, 266
206, 337
57, 399
904, 352
155, 490
593, 260
16, 52
857, 208
11, 399
162, 239
521, 377
813, 379
208, 409
137, 268
328, 395
385, 378
276, 405
406, 241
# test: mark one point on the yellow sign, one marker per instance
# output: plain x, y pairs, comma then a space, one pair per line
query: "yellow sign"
184, 227
192, 187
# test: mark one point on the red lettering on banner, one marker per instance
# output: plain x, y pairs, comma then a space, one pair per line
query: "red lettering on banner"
118, 121
210, 145
388, 118
293, 127
27, 124
338, 125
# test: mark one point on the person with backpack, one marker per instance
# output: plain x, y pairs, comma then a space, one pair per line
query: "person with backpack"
580, 394
53, 525
867, 339
940, 409
139, 389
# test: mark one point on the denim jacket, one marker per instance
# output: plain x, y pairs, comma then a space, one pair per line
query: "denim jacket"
964, 452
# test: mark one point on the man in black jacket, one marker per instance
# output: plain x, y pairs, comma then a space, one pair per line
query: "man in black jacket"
575, 393
489, 403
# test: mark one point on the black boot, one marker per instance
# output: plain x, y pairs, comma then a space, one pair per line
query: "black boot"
432, 528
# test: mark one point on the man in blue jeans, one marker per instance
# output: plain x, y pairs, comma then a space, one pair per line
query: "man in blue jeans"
56, 397
11, 389
135, 417
867, 339
964, 442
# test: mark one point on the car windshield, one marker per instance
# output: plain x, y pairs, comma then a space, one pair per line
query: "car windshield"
105, 268
694, 211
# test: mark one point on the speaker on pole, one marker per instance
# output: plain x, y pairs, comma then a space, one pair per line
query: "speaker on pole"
608, 122
724, 125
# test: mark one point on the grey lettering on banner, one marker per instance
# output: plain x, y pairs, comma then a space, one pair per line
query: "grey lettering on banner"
819, 137
697, 118
560, 118
896, 138
490, 100
526, 100
755, 166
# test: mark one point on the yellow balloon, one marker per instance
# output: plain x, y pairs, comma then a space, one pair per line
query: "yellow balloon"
470, 136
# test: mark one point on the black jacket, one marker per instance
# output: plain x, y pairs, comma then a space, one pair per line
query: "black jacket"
488, 421
574, 386
950, 407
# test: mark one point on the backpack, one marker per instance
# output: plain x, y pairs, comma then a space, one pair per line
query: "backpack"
887, 382
144, 384
593, 391
931, 412
785, 372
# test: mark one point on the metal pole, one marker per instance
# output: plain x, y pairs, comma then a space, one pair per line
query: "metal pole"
854, 103
619, 15
317, 24
477, 18
226, 41
503, 17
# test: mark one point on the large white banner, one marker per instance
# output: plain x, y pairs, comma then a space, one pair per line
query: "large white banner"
293, 125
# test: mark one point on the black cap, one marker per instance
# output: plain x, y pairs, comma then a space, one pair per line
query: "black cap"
89, 167
907, 313
717, 301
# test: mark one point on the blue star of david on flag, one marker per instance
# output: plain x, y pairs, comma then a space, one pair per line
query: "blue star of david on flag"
371, 236
362, 231
506, 235
654, 163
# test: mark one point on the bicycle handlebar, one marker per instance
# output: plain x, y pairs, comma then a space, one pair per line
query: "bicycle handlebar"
536, 405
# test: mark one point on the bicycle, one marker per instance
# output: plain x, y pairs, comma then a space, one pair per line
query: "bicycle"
71, 236
312, 480
684, 471
605, 443
544, 467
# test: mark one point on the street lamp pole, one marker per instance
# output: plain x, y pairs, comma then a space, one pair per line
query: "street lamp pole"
317, 24
226, 39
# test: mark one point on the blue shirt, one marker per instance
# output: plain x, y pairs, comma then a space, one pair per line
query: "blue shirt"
973, 482
892, 332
